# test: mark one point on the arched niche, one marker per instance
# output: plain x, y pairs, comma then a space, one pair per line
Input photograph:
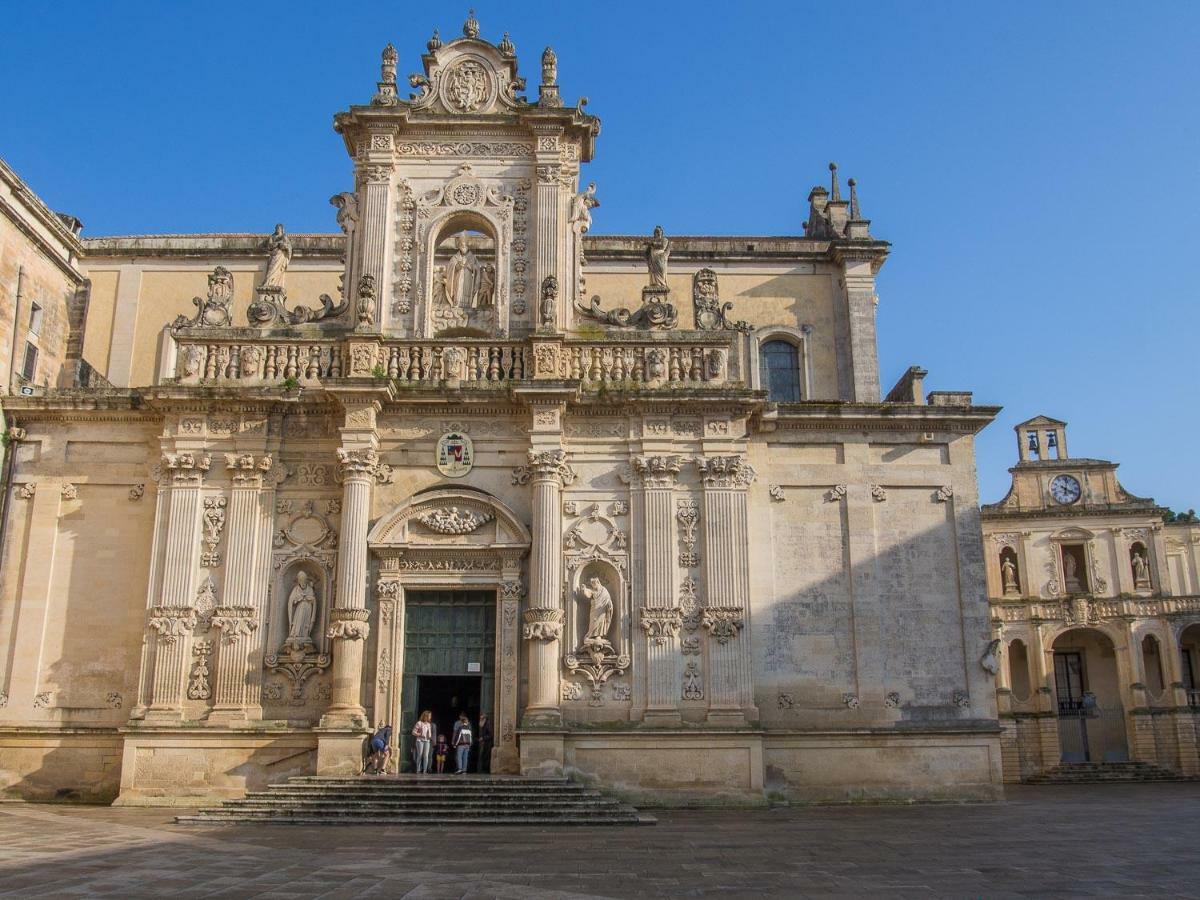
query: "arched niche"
1139, 566
1010, 572
304, 580
580, 606
1018, 670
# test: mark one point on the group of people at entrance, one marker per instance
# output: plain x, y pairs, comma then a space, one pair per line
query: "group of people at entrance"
430, 747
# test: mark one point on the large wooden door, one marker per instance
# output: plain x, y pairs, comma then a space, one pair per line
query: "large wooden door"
447, 633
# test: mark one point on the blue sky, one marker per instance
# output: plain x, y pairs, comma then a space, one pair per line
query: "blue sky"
1036, 165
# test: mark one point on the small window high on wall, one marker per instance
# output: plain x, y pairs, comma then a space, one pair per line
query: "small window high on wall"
779, 363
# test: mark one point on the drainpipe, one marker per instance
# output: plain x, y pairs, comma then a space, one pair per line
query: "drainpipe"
12, 438
12, 350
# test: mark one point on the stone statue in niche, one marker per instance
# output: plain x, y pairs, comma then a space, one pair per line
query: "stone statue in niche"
212, 312
1009, 571
548, 310
581, 208
1070, 574
347, 211
441, 292
485, 293
1141, 570
600, 615
302, 613
462, 275
280, 249
658, 251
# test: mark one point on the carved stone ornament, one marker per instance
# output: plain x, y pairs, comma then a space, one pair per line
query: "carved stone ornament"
544, 465
172, 622
548, 305
206, 603
234, 622
200, 678
246, 470
962, 699
137, 492
598, 666
777, 494
69, 491
990, 661
892, 700
661, 623
454, 520
688, 514
186, 469
850, 700
27, 490
835, 493
348, 625
692, 685
270, 297
709, 312
725, 471
364, 462
786, 701
213, 311
723, 622
298, 666
511, 589
654, 313
542, 625
657, 471
943, 494
368, 302
214, 526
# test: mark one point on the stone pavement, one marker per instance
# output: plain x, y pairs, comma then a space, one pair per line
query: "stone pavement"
1131, 840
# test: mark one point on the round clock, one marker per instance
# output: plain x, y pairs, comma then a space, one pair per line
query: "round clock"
1065, 489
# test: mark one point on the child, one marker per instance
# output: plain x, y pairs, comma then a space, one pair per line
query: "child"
440, 755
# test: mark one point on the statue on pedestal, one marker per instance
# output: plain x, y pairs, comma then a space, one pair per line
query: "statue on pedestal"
280, 249
600, 614
658, 251
1141, 570
302, 613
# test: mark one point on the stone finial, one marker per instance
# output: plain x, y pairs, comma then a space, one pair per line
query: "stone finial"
549, 67
854, 212
471, 26
506, 46
835, 192
435, 42
386, 95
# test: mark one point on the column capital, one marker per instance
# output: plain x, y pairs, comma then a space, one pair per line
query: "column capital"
363, 464
348, 625
544, 465
250, 471
723, 622
661, 623
234, 622
172, 622
657, 471
186, 469
725, 471
542, 624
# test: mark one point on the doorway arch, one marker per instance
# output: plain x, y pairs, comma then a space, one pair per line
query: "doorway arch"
453, 540
1088, 697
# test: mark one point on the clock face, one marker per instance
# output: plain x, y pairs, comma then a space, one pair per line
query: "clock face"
1065, 489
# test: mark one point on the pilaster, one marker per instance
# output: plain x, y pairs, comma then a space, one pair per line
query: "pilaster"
375, 168
856, 325
726, 480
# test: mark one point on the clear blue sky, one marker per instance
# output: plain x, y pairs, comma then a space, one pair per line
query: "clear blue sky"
1036, 165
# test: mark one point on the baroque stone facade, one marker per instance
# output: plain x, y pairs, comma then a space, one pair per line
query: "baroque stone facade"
1095, 609
713, 562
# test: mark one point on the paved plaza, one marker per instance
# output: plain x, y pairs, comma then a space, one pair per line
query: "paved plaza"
1127, 840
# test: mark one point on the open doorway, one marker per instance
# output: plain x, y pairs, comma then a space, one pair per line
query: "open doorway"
446, 696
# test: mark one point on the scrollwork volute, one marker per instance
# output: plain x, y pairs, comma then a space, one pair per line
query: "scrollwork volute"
544, 465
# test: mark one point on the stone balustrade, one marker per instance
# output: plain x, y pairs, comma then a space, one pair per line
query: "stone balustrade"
1092, 608
460, 362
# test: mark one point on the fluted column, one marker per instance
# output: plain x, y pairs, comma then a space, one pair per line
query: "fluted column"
173, 618
239, 618
726, 576
547, 471
348, 628
660, 616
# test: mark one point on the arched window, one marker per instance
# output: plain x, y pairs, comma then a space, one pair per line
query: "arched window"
779, 366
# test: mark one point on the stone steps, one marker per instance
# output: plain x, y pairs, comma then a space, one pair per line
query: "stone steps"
1105, 773
422, 800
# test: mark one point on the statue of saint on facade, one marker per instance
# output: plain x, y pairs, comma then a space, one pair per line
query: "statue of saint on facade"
658, 251
280, 249
302, 612
600, 614
462, 275
485, 291
1010, 576
1141, 571
581, 208
1070, 576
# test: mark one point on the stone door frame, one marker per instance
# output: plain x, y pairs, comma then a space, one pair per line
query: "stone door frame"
420, 560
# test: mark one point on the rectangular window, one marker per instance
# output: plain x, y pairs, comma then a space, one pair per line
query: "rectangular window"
29, 369
35, 320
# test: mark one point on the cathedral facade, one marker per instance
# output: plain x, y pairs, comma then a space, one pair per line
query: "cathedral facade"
640, 500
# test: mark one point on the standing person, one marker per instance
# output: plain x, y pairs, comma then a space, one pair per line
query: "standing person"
463, 739
484, 762
423, 732
442, 749
381, 751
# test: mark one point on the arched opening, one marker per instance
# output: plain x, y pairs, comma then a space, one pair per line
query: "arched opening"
779, 369
1074, 568
1010, 572
1152, 664
1018, 670
464, 277
1139, 565
1189, 652
1091, 719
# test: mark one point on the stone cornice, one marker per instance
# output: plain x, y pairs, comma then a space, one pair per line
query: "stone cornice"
223, 246
819, 415
33, 207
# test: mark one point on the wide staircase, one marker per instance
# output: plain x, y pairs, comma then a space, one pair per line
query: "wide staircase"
424, 800
1105, 773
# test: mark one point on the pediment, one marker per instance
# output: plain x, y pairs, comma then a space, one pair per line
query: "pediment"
447, 518
468, 77
1072, 534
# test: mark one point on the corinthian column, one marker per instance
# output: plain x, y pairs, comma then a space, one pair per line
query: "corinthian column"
726, 479
547, 471
348, 620
239, 618
660, 617
173, 618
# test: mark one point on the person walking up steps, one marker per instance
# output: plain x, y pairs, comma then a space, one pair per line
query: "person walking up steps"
462, 743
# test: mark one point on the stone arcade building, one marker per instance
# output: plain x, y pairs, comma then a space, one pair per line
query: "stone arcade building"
638, 499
